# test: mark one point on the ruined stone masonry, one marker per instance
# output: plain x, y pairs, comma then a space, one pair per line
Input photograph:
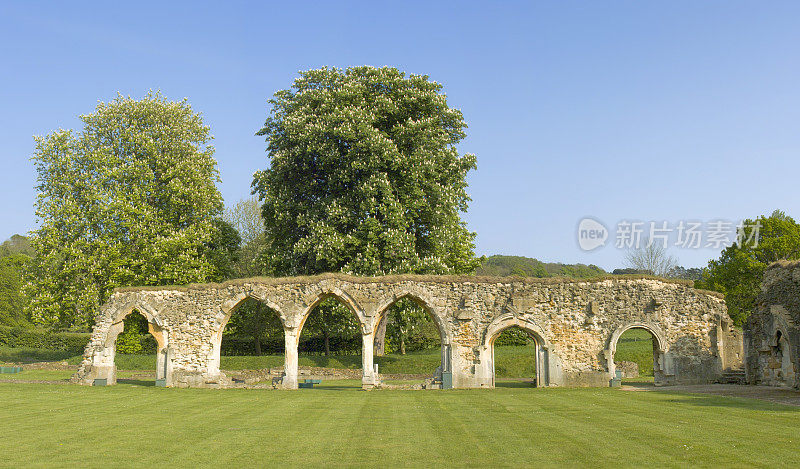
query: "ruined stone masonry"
575, 325
772, 332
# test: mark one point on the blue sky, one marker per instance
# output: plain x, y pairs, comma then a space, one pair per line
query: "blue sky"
644, 111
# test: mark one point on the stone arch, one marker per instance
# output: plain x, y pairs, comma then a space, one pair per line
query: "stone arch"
226, 310
421, 299
656, 331
512, 318
659, 349
340, 296
105, 359
229, 306
426, 303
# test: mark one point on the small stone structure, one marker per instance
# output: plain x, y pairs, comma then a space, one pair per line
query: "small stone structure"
628, 369
575, 325
772, 332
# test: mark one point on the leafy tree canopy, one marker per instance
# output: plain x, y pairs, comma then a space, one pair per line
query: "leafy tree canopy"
364, 176
739, 270
12, 302
17, 244
128, 200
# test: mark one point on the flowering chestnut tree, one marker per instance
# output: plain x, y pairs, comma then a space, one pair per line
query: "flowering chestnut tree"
364, 176
129, 200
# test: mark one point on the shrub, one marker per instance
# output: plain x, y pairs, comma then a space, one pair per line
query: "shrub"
71, 342
513, 336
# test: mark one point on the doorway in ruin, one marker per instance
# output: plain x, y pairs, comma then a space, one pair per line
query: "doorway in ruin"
251, 338
330, 337
409, 342
784, 374
636, 352
135, 345
514, 357
516, 352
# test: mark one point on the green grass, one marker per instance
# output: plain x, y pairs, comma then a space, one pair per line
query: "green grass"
338, 425
636, 345
37, 375
515, 361
54, 375
510, 361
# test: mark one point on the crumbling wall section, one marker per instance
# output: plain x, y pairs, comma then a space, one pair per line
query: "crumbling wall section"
772, 332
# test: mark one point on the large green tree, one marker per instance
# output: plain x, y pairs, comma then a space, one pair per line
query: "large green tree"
738, 271
128, 200
365, 176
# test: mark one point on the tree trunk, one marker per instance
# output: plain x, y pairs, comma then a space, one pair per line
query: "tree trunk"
327, 342
380, 337
402, 345
258, 345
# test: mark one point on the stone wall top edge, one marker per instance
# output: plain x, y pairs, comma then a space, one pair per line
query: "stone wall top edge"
418, 278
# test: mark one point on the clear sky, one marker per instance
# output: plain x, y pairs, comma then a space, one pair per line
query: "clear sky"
651, 111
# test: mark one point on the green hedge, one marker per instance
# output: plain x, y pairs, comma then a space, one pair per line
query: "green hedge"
71, 342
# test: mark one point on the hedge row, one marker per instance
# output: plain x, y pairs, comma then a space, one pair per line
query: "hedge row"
75, 343
315, 345
242, 346
71, 342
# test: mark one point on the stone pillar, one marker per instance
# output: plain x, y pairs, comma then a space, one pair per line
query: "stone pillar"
484, 368
291, 337
161, 364
368, 379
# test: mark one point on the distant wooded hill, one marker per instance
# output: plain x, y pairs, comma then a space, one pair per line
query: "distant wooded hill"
503, 266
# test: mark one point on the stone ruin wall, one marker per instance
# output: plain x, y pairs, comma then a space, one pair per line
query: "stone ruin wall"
576, 324
772, 332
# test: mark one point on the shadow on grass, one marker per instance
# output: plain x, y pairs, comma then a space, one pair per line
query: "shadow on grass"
526, 384
638, 383
136, 382
336, 385
334, 361
32, 355
705, 400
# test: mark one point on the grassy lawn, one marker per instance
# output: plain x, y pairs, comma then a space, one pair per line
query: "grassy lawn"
510, 361
337, 424
636, 345
37, 375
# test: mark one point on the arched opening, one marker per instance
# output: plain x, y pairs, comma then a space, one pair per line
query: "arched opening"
329, 336
252, 339
782, 355
134, 346
636, 353
411, 349
515, 351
